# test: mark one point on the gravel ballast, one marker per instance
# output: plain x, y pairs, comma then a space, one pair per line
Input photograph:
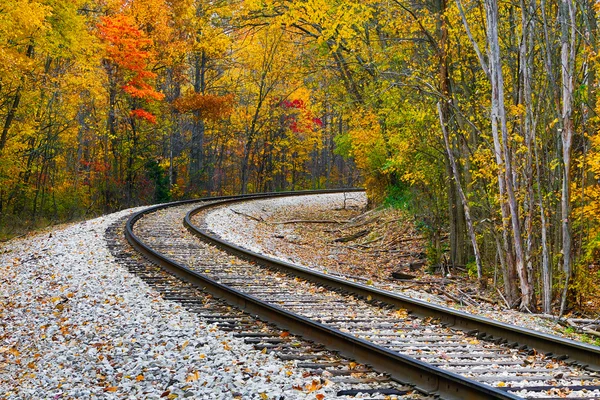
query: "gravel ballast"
75, 324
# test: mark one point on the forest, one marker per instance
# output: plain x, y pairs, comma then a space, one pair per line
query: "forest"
477, 116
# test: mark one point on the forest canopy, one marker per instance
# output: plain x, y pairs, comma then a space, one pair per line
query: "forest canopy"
478, 116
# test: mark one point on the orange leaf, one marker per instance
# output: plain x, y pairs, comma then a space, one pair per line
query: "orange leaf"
314, 386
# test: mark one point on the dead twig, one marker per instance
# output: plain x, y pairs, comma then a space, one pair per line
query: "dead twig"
473, 302
486, 299
352, 237
503, 298
449, 295
259, 219
13, 237
308, 221
591, 332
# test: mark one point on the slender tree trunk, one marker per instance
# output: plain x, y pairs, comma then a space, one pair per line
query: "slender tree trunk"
197, 140
546, 261
12, 111
491, 8
566, 18
503, 156
111, 133
463, 198
528, 127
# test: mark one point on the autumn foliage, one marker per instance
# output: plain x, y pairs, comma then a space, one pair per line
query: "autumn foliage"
105, 105
128, 50
205, 106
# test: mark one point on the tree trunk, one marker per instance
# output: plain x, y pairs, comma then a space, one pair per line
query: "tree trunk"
197, 140
503, 155
12, 111
463, 198
566, 21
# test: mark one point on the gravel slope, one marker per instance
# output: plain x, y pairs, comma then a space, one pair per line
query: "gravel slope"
74, 324
233, 224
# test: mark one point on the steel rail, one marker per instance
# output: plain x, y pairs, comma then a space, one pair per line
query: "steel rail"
404, 369
580, 353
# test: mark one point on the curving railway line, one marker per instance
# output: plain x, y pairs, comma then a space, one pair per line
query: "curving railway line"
425, 348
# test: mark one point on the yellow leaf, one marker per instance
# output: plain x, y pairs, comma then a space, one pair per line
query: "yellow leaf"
111, 389
139, 378
264, 350
193, 377
184, 345
264, 396
202, 356
501, 384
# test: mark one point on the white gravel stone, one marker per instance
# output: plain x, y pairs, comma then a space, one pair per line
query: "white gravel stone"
75, 324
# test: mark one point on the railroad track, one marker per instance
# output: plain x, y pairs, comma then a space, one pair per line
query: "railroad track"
439, 351
323, 366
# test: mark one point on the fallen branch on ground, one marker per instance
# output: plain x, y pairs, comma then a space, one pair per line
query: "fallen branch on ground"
352, 237
247, 215
309, 221
591, 332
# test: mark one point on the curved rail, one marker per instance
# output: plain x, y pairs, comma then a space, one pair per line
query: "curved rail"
489, 329
427, 378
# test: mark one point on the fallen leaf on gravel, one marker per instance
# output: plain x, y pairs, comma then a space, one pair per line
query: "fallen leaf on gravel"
193, 377
313, 386
139, 378
264, 396
320, 396
111, 389
284, 334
